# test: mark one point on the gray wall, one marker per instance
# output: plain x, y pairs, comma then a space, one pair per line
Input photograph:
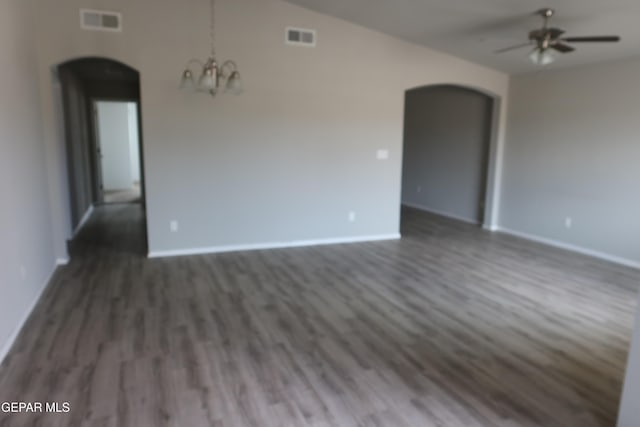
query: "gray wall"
79, 153
26, 249
447, 135
288, 159
573, 151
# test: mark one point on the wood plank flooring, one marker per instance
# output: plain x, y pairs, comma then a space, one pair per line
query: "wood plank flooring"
451, 326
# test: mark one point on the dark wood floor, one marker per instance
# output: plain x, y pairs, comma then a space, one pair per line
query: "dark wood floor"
451, 326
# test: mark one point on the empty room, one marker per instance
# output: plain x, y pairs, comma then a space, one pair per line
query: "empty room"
313, 213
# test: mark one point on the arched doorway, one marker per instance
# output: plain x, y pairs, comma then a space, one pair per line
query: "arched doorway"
447, 153
103, 139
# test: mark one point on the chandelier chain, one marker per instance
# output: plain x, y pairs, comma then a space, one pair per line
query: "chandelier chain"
211, 29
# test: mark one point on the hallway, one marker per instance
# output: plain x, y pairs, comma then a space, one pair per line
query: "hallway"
114, 229
451, 326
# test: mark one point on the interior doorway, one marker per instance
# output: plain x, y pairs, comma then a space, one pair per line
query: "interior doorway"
447, 146
103, 132
118, 151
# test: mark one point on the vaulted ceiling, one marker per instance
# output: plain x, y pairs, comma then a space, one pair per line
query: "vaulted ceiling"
474, 29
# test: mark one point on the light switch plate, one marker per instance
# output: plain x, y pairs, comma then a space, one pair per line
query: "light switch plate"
382, 154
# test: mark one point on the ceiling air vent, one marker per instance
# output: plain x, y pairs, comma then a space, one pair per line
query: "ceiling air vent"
100, 20
300, 37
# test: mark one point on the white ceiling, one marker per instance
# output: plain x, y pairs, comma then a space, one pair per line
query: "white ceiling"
473, 29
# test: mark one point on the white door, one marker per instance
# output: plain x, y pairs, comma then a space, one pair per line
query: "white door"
115, 145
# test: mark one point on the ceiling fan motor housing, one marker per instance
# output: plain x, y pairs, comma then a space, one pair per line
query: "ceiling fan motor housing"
545, 37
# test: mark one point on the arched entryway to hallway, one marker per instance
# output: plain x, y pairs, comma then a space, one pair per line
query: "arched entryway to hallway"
104, 152
449, 150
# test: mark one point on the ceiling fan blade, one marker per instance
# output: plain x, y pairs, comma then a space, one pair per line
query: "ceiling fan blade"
591, 39
518, 46
562, 48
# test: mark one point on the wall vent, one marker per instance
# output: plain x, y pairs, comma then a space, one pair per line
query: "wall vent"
100, 20
300, 37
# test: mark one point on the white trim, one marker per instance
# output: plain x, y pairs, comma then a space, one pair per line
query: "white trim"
84, 219
570, 247
441, 213
6, 347
271, 245
495, 166
62, 261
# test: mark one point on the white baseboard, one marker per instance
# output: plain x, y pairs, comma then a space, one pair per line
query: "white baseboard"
6, 347
84, 219
272, 245
441, 213
570, 247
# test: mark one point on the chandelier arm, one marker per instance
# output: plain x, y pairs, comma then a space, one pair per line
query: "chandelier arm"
228, 64
194, 61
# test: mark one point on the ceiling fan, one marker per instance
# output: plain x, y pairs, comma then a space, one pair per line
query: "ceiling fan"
549, 40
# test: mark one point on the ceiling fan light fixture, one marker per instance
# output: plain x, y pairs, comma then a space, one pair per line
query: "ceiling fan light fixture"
540, 56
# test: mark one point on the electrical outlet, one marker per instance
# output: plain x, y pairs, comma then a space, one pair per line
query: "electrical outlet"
568, 222
23, 272
419, 189
173, 226
352, 216
382, 154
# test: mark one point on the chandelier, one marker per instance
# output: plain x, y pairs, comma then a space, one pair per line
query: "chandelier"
212, 77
